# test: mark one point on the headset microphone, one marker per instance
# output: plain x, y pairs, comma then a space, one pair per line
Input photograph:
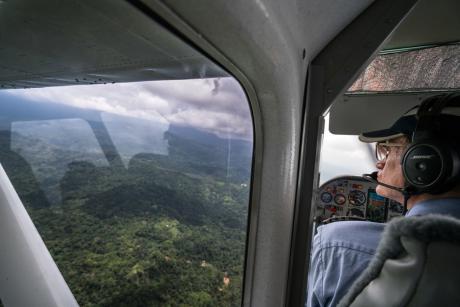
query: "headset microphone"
404, 191
373, 178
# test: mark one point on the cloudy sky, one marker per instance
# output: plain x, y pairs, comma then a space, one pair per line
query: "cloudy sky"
344, 155
215, 105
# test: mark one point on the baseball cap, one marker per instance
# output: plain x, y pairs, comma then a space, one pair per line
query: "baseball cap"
449, 123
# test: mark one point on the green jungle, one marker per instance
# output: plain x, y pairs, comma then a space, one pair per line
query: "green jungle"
163, 230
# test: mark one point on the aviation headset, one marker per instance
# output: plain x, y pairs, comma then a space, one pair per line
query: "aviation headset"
431, 163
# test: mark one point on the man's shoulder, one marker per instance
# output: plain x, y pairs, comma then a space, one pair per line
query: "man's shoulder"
446, 206
347, 228
341, 251
351, 234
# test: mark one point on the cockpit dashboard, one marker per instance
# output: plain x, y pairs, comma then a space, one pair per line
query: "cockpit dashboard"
353, 198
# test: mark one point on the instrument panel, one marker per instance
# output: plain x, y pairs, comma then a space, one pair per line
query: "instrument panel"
354, 197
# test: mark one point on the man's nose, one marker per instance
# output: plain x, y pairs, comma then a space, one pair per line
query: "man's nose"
380, 164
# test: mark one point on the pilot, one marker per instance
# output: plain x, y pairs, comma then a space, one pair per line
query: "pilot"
342, 250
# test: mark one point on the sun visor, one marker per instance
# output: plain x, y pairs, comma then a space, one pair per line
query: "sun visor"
353, 114
391, 85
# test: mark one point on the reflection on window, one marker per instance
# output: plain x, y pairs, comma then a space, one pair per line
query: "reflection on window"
132, 135
139, 190
51, 146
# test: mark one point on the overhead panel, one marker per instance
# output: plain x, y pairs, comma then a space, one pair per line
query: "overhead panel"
48, 43
352, 115
431, 22
421, 70
392, 84
421, 59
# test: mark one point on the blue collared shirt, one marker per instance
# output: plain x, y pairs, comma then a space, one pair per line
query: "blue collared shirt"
342, 250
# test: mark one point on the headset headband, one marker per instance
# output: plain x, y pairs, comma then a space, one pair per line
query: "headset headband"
428, 124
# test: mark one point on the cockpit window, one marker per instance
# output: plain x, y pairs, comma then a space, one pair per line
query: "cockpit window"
139, 190
131, 151
420, 70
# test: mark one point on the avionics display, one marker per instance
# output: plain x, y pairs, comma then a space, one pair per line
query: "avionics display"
355, 198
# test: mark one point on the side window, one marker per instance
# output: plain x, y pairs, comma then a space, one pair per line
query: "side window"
139, 190
144, 202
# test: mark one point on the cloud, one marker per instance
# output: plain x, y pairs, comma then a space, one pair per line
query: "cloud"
216, 105
220, 95
343, 155
215, 90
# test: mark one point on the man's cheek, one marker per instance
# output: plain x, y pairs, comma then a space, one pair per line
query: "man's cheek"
380, 190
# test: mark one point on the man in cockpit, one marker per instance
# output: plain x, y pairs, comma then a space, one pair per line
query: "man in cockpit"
342, 250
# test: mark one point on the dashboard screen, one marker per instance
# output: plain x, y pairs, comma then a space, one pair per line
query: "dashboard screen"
355, 198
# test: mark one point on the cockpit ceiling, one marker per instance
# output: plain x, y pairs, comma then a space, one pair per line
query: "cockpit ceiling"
49, 43
429, 23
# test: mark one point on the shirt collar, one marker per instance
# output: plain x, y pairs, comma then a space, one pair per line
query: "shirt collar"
446, 206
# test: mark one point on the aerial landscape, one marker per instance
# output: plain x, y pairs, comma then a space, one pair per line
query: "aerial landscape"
133, 225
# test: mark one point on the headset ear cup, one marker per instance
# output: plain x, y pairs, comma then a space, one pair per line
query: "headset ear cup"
454, 177
426, 166
431, 164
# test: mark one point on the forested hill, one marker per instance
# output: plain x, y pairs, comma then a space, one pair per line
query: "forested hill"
167, 228
204, 153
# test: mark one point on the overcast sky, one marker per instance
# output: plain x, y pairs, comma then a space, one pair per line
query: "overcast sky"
215, 105
344, 155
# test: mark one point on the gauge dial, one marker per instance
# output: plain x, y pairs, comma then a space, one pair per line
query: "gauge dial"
326, 197
356, 198
340, 199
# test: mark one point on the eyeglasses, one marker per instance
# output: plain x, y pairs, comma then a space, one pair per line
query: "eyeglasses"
383, 149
